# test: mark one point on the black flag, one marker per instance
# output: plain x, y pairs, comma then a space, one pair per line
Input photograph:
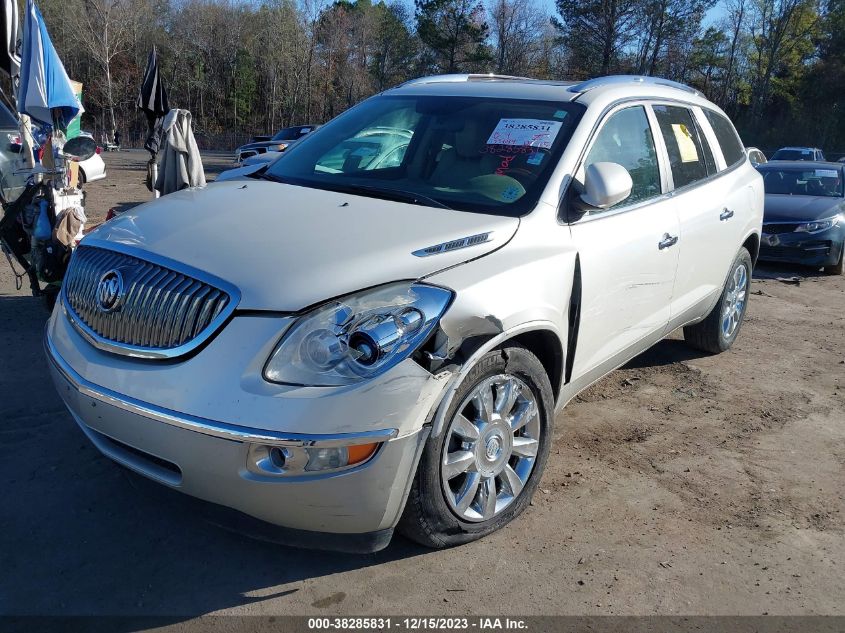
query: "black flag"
152, 99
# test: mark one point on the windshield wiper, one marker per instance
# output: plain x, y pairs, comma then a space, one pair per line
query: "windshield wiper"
400, 195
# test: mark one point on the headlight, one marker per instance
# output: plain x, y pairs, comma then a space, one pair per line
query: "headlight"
358, 337
819, 225
282, 146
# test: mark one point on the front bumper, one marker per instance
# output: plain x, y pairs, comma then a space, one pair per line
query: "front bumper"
353, 510
819, 249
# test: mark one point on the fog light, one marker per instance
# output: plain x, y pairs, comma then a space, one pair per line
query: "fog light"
338, 457
278, 457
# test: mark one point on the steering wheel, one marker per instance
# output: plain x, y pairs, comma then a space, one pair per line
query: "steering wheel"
523, 175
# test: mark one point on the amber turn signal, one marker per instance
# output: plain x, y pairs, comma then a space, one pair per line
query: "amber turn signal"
360, 452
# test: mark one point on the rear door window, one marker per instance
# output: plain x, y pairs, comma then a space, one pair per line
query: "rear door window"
689, 157
626, 139
727, 137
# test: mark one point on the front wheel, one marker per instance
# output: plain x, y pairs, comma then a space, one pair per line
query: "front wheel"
481, 471
718, 331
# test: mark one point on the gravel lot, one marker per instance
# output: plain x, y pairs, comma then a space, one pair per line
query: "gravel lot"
680, 484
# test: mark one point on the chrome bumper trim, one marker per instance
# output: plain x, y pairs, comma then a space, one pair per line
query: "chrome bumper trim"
205, 426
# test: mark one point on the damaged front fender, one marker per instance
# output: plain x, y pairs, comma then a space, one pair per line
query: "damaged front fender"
524, 287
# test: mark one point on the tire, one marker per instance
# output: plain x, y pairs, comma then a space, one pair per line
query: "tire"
432, 519
82, 178
839, 267
712, 334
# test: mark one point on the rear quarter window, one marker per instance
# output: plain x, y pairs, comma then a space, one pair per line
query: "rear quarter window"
727, 137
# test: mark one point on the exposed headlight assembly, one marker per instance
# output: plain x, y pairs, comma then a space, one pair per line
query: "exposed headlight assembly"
358, 337
819, 225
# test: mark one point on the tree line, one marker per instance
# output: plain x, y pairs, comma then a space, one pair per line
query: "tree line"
248, 67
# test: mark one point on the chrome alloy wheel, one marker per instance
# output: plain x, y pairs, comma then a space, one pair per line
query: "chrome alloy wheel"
734, 302
491, 446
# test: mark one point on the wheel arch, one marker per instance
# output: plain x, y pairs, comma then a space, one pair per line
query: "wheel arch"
752, 245
542, 338
547, 347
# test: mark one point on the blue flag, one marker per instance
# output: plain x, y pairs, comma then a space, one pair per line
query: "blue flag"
46, 93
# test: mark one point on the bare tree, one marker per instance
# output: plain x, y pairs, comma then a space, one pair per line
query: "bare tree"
516, 29
105, 29
737, 15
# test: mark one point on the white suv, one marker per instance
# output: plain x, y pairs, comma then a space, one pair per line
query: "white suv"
377, 330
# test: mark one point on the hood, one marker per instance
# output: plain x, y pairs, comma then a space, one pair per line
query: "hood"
783, 208
288, 247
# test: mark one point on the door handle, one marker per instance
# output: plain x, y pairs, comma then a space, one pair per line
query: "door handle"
727, 214
667, 241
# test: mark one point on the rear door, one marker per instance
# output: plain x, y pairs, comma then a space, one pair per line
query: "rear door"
706, 205
628, 253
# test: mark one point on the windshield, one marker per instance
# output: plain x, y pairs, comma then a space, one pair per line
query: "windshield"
825, 183
290, 133
473, 154
794, 154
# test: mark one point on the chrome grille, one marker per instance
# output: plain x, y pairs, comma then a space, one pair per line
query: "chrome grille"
161, 312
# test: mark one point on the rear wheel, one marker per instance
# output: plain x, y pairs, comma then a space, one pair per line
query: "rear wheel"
839, 267
718, 331
482, 470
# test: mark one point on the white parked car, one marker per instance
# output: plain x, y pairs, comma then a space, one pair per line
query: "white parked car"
92, 169
347, 344
249, 166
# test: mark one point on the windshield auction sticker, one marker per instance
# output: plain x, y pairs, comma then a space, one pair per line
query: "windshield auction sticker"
525, 133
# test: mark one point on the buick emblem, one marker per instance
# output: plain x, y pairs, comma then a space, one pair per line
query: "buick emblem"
110, 291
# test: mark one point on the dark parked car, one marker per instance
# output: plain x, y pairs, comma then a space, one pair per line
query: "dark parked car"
798, 153
804, 217
278, 143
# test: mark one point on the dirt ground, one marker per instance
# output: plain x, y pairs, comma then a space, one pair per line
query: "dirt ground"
680, 484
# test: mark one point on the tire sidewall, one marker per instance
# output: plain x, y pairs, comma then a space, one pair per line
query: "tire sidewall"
441, 518
743, 257
839, 267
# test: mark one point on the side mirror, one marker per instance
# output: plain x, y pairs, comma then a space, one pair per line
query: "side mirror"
79, 148
606, 184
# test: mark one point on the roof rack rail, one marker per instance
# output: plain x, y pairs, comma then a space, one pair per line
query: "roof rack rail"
432, 79
612, 80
